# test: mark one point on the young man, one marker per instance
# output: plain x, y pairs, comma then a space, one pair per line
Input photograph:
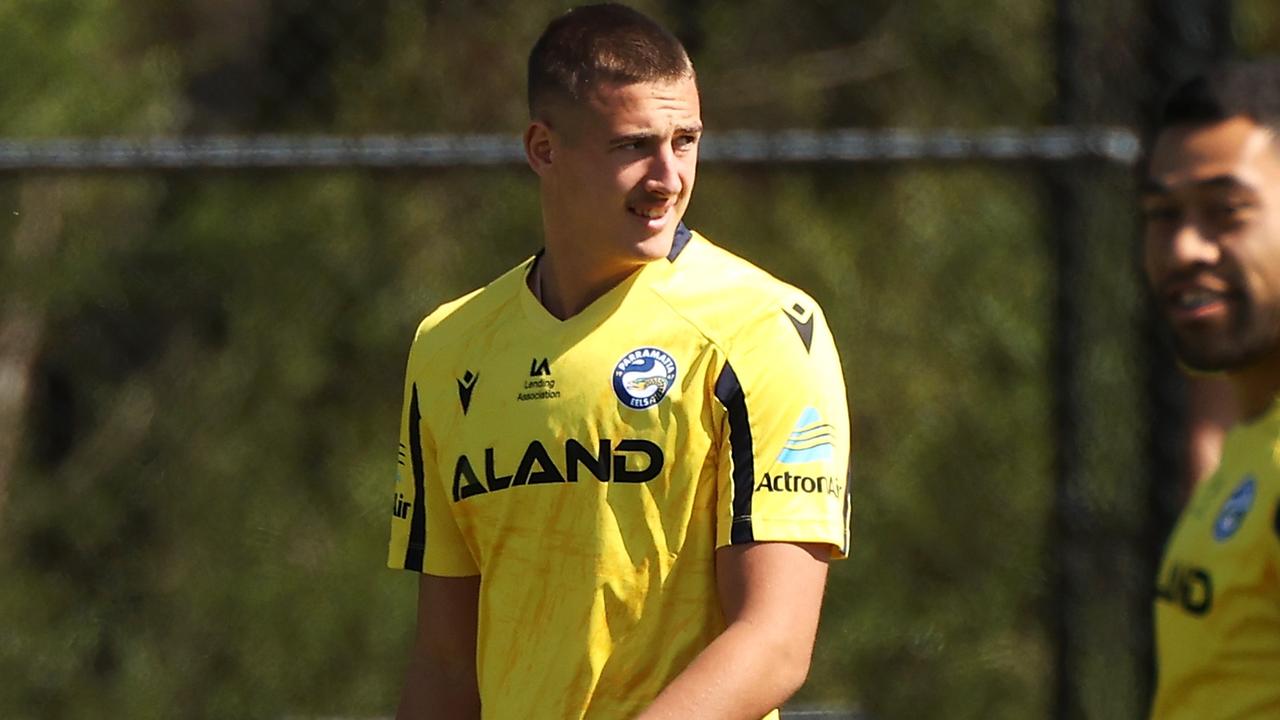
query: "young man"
1212, 247
623, 463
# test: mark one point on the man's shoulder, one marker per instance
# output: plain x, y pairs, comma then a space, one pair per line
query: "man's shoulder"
1249, 466
461, 316
1255, 444
713, 270
728, 296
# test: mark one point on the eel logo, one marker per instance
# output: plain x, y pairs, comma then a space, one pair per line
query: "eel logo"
643, 376
1234, 509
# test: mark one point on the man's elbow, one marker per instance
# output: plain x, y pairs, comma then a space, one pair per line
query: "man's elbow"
790, 669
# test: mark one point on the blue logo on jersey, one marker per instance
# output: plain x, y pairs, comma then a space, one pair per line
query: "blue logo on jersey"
643, 376
1234, 509
810, 440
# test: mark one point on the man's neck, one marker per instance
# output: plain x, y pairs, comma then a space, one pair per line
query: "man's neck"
1257, 386
566, 285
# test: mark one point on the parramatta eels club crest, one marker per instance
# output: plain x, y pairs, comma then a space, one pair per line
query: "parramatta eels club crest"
1234, 509
643, 376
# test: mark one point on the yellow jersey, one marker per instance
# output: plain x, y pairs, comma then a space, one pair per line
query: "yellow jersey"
588, 469
1218, 593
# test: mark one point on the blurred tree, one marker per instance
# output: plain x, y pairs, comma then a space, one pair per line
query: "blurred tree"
60, 532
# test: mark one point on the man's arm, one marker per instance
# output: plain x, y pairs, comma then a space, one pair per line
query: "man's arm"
771, 594
440, 681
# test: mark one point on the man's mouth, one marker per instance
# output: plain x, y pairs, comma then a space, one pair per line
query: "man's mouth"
1196, 303
1194, 299
651, 213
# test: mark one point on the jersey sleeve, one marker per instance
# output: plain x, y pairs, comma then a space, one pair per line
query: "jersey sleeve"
783, 468
424, 534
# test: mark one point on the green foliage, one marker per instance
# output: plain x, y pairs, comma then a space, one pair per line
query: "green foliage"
96, 82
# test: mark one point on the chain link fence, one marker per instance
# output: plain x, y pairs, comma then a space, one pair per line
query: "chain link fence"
1064, 144
225, 219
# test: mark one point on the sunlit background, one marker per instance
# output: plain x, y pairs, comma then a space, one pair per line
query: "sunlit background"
201, 358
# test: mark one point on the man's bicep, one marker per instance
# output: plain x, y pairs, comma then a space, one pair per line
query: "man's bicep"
774, 585
440, 680
447, 615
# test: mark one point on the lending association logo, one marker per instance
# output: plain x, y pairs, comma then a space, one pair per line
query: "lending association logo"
810, 439
643, 376
1234, 509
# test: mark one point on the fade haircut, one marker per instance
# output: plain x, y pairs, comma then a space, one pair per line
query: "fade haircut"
1233, 89
596, 44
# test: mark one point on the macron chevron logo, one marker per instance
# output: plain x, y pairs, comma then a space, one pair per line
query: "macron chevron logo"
809, 441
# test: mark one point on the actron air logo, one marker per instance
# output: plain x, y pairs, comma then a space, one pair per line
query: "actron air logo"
808, 484
643, 377
809, 440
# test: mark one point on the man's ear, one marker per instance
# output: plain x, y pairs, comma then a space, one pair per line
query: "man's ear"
537, 146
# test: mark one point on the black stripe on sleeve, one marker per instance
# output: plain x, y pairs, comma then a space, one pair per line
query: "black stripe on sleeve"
418, 520
729, 393
848, 506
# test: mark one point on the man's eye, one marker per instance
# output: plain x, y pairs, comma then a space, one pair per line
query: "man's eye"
1229, 211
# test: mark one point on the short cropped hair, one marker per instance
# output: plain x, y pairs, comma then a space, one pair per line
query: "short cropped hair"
1233, 89
595, 44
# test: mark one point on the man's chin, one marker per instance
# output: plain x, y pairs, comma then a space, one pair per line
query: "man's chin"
1200, 367
1219, 359
655, 246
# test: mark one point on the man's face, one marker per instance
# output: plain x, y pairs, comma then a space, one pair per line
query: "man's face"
1211, 205
623, 167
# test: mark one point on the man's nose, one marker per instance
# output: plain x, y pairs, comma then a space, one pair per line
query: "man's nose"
664, 172
1191, 246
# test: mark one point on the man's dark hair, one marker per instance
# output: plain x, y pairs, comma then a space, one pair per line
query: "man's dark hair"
1233, 89
594, 44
